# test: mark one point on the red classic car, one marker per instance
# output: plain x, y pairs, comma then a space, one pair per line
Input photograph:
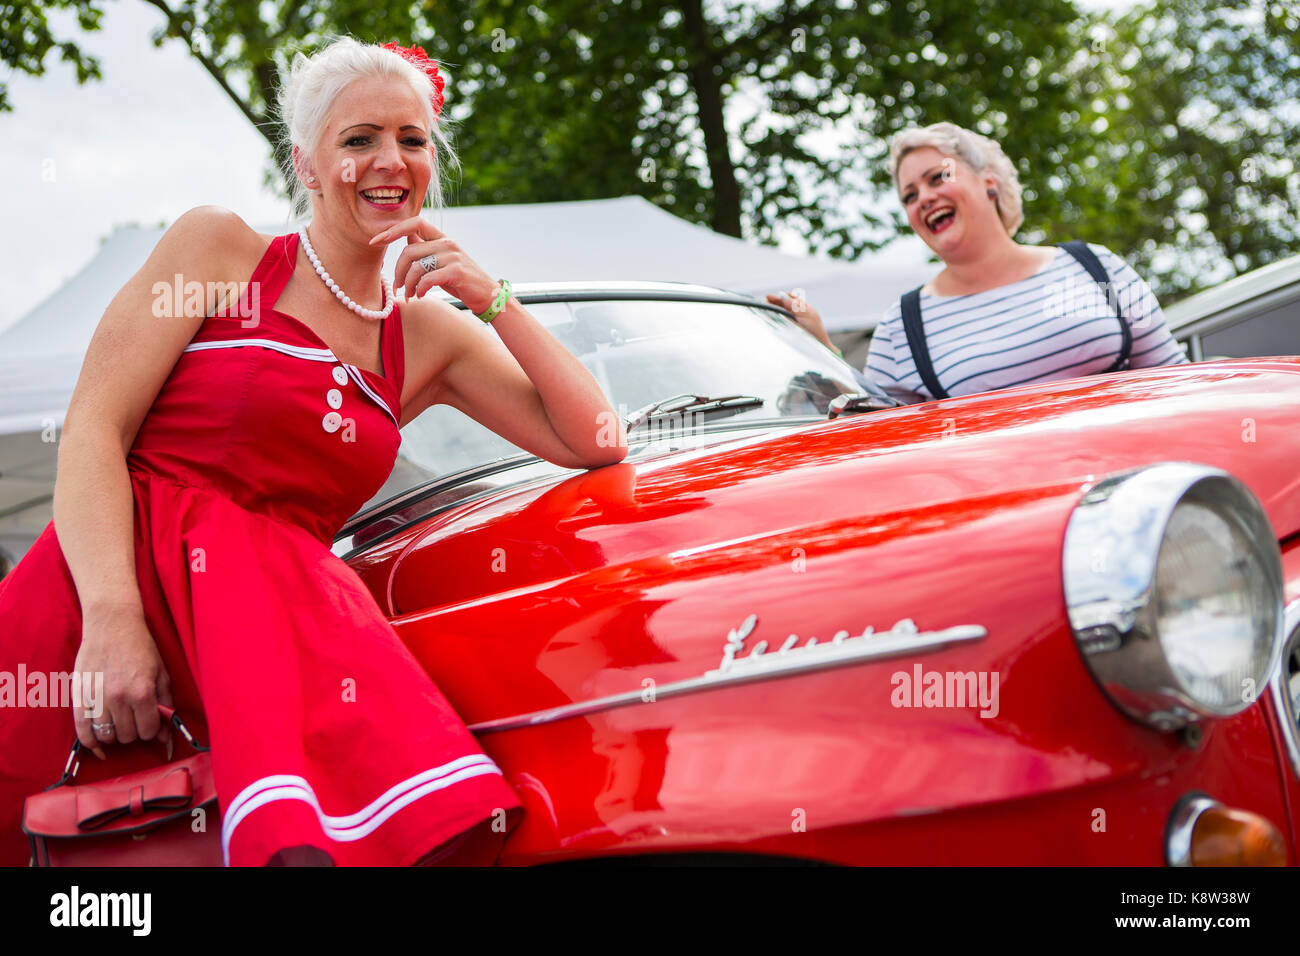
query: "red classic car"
1047, 625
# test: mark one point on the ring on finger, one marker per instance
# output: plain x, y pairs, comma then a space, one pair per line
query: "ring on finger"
429, 263
105, 729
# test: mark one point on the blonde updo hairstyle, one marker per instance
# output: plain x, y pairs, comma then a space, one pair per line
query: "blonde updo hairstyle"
312, 83
978, 152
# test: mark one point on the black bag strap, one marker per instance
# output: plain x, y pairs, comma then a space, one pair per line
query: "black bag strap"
73, 765
911, 306
1088, 259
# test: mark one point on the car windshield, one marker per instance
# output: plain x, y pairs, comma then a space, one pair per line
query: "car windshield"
644, 351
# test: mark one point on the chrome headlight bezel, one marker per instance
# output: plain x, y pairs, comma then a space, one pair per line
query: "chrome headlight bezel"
1112, 548
1285, 700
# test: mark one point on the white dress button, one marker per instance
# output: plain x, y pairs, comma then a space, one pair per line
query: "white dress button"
332, 422
340, 376
334, 398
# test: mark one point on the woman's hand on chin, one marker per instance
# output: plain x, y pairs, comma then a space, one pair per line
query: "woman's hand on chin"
457, 273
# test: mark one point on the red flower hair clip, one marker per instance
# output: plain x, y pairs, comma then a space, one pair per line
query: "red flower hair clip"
427, 66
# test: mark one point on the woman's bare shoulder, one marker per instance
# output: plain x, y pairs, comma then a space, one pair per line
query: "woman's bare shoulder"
215, 222
1045, 254
218, 241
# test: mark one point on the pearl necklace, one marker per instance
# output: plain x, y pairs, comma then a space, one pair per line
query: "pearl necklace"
360, 310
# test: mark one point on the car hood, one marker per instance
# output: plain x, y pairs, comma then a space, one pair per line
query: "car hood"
587, 596
994, 449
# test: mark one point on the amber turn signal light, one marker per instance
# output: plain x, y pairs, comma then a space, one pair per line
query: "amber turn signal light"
1227, 837
1203, 832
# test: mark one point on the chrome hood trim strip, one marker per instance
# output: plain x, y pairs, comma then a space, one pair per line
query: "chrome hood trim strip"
903, 638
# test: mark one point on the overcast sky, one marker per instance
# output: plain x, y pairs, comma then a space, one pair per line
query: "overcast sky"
154, 138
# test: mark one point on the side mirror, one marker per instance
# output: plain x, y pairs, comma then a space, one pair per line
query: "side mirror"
854, 403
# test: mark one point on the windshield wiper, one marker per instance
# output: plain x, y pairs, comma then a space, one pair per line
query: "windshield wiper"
679, 405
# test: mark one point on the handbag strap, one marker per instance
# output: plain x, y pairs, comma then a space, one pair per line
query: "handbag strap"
1092, 265
73, 765
911, 306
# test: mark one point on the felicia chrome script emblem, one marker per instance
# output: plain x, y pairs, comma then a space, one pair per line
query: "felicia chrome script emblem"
902, 638
793, 658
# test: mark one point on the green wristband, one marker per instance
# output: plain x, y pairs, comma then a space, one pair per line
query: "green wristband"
498, 303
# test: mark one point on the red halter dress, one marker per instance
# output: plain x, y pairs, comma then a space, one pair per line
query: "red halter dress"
324, 729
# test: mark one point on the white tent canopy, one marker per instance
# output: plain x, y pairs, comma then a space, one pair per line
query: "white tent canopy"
627, 238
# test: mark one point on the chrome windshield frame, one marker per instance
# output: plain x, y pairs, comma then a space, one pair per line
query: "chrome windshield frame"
344, 542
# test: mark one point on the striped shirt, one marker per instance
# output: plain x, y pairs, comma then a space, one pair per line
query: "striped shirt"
1056, 324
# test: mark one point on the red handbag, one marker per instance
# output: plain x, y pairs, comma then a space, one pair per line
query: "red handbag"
146, 818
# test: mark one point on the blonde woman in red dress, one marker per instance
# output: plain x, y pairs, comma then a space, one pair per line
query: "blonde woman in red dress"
207, 461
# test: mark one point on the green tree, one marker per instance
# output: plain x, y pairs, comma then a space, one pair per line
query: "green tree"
714, 111
241, 45
706, 109
1166, 133
27, 39
1193, 111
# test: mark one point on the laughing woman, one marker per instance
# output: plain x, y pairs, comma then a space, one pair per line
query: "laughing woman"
1000, 313
207, 462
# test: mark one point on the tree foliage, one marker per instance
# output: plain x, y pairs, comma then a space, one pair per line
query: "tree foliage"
725, 114
1165, 133
27, 39
1194, 109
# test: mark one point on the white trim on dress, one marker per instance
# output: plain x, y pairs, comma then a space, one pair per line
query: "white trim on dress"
365, 387
297, 351
355, 826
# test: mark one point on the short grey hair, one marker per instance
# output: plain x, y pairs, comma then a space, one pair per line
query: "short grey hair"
312, 83
978, 152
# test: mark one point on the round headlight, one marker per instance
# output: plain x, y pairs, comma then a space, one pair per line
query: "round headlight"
1173, 583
